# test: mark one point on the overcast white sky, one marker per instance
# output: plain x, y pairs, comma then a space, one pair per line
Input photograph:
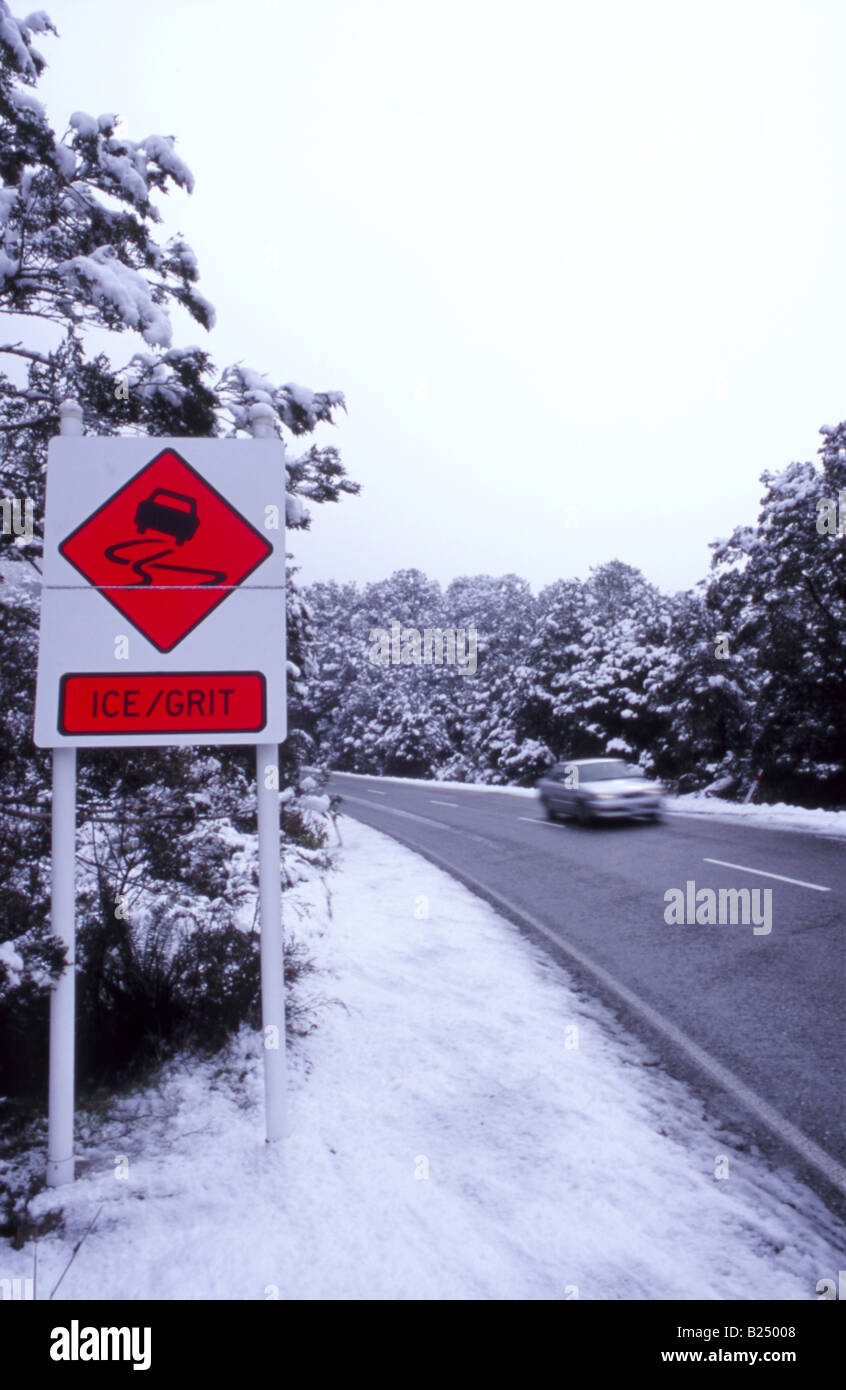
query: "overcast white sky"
578, 267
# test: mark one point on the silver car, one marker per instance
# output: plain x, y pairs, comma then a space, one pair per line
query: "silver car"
599, 789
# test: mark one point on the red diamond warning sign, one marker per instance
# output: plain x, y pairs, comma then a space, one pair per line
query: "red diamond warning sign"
184, 539
166, 549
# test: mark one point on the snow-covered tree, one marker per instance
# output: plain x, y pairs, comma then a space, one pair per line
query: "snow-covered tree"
579, 690
369, 716
779, 591
541, 674
501, 612
697, 693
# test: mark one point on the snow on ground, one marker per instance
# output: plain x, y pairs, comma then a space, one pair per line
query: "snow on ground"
449, 1140
778, 816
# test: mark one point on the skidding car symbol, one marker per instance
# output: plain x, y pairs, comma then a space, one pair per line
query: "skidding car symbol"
180, 521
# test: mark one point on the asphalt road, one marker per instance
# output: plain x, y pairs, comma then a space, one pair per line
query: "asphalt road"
756, 1020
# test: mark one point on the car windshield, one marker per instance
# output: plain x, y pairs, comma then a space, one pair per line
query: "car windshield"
606, 772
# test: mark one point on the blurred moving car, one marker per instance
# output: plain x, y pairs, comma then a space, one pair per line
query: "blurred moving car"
598, 789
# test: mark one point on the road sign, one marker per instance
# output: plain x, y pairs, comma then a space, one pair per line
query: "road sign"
173, 537
233, 702
163, 605
169, 531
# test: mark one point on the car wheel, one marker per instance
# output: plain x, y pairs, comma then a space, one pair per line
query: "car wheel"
583, 815
657, 817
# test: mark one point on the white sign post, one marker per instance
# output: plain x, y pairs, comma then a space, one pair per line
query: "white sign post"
60, 1104
162, 623
270, 904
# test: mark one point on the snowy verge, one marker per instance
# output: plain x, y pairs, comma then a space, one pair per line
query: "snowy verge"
777, 816
463, 1126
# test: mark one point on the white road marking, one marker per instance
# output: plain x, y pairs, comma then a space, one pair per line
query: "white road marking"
372, 792
536, 820
744, 869
426, 820
394, 811
444, 803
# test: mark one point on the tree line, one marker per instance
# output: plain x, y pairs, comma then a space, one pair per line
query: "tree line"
737, 684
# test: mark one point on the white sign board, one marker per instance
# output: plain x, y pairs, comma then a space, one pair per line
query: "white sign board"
163, 607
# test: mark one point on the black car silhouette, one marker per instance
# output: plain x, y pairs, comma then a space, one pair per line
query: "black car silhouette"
180, 521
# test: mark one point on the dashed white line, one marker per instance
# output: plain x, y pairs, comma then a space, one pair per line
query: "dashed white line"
444, 803
372, 792
763, 873
427, 820
395, 811
536, 820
